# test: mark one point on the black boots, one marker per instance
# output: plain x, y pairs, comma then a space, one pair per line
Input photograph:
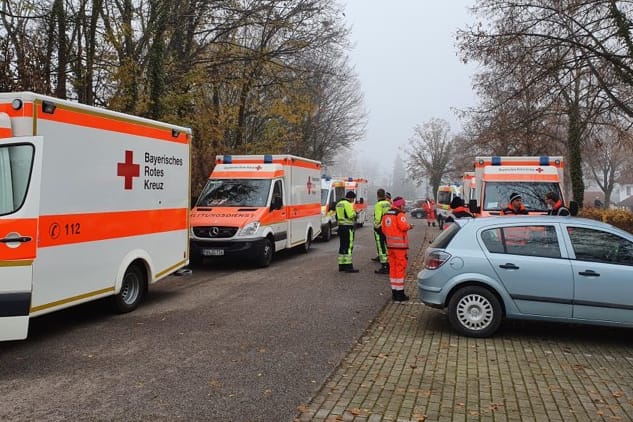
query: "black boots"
347, 268
399, 296
384, 269
376, 259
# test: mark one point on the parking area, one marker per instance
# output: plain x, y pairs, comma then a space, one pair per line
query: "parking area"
411, 366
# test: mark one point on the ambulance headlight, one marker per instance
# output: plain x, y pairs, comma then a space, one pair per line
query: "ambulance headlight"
250, 229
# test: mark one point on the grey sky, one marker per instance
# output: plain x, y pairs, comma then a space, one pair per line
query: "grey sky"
404, 53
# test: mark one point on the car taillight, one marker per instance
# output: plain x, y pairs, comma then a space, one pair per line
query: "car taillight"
436, 259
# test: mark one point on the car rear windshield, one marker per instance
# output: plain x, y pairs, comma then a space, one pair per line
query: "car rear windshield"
446, 236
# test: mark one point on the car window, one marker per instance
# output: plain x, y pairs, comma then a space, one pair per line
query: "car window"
445, 237
522, 240
599, 246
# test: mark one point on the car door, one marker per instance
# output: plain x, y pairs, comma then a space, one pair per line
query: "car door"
603, 275
527, 260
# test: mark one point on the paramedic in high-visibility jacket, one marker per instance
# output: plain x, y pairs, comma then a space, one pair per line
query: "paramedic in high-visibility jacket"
395, 227
346, 217
380, 209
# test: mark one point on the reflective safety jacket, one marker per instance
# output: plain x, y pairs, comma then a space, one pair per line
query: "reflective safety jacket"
395, 228
380, 209
345, 213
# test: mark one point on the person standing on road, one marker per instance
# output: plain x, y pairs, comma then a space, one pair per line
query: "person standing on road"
381, 208
346, 217
395, 228
458, 210
515, 206
429, 209
556, 204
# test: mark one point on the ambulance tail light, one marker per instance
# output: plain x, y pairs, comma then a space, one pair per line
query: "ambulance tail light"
250, 229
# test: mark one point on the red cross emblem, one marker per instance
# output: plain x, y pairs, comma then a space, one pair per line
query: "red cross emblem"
128, 169
539, 170
309, 185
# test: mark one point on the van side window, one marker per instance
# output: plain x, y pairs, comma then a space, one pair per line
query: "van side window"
278, 191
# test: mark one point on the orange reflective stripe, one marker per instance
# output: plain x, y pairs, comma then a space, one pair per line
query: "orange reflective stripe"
23, 227
246, 174
76, 228
305, 210
94, 119
518, 163
283, 161
521, 177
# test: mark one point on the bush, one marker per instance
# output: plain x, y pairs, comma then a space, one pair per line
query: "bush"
619, 218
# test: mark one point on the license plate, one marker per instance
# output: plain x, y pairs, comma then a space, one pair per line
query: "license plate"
213, 252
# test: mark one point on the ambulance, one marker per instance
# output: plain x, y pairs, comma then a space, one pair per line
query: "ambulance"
93, 203
256, 205
445, 195
358, 185
496, 178
332, 190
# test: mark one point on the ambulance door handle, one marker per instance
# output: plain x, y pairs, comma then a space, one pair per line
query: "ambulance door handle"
20, 239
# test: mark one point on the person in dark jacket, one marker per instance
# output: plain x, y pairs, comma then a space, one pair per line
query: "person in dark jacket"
515, 206
458, 210
556, 204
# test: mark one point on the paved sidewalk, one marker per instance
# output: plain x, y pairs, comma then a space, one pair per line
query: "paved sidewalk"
410, 366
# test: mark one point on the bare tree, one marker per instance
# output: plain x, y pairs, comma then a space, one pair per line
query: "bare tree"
430, 153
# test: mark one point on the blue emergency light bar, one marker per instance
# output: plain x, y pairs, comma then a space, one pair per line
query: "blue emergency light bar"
227, 159
268, 159
543, 160
496, 161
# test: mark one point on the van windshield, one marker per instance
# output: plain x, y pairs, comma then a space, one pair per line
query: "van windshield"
497, 194
235, 193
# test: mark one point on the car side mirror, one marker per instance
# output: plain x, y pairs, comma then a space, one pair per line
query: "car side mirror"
573, 208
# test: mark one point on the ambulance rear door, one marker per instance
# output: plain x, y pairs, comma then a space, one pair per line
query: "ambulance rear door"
20, 175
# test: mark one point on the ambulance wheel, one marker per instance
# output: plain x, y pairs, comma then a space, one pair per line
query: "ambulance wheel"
306, 246
132, 290
327, 234
266, 253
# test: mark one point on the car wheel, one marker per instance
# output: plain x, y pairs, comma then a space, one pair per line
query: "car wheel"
266, 253
132, 290
474, 311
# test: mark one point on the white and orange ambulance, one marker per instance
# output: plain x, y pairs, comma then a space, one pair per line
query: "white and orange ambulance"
445, 195
358, 185
93, 203
332, 190
497, 177
255, 205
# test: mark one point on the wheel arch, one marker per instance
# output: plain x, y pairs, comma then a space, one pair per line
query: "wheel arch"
139, 258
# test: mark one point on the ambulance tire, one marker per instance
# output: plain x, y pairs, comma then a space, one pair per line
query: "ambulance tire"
132, 290
308, 243
327, 233
266, 253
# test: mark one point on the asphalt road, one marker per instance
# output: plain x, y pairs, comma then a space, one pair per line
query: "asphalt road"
230, 343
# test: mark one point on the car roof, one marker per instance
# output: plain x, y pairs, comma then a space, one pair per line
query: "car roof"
481, 222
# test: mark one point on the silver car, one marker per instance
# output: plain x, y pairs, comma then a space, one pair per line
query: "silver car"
563, 269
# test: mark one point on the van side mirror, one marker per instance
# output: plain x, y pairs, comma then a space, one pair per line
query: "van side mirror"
573, 208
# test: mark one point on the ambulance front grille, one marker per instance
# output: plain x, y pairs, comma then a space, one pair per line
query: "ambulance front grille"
214, 232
